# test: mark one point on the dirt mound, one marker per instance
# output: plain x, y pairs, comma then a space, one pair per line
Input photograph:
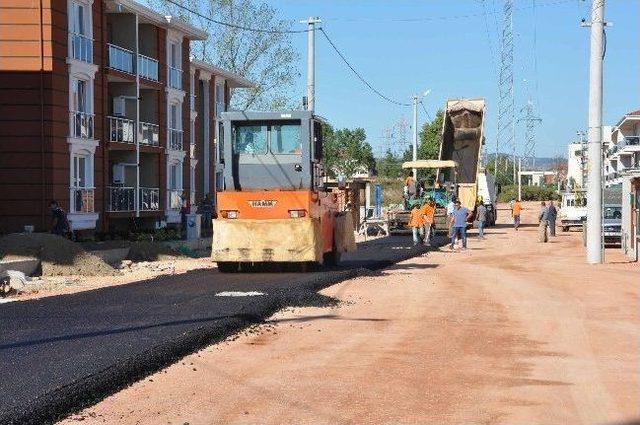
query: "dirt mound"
58, 256
151, 251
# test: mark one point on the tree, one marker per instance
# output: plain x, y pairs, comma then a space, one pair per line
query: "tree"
346, 151
429, 139
267, 59
389, 166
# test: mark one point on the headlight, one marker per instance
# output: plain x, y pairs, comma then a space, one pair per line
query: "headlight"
229, 214
297, 213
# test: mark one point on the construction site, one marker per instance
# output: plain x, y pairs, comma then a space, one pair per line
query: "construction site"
181, 243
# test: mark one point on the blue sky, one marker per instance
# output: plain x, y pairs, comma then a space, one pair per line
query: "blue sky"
403, 47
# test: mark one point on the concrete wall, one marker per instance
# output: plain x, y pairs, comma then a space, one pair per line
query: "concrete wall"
121, 28
148, 40
149, 106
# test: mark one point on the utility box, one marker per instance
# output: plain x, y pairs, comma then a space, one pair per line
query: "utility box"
194, 226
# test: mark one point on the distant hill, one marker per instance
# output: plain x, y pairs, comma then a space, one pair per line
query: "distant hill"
542, 164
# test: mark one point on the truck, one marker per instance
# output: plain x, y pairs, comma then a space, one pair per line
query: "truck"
272, 204
462, 140
573, 210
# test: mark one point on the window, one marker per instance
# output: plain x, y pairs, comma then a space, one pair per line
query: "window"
174, 177
80, 164
613, 213
285, 139
173, 116
82, 195
80, 96
78, 23
250, 139
174, 58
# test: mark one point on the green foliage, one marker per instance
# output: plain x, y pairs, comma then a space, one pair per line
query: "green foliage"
504, 175
389, 166
529, 193
346, 151
267, 59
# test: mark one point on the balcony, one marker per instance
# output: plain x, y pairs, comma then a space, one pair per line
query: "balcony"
121, 199
81, 124
120, 59
148, 67
149, 134
175, 198
121, 130
81, 47
82, 200
149, 199
174, 139
175, 78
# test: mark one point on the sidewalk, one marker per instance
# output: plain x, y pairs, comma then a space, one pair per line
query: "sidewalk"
510, 331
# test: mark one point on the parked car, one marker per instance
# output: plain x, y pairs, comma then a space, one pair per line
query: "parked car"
612, 224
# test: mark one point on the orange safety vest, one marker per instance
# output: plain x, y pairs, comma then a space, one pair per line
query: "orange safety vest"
516, 208
428, 212
415, 220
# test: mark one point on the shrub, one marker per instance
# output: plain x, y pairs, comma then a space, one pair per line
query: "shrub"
529, 193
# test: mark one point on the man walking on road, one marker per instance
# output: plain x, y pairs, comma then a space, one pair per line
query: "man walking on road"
516, 208
459, 218
552, 214
543, 218
481, 218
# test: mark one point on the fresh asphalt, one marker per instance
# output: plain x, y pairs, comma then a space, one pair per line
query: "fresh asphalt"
61, 353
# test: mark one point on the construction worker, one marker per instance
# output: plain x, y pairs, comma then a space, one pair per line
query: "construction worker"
459, 218
552, 215
409, 189
416, 223
544, 222
428, 212
516, 209
481, 218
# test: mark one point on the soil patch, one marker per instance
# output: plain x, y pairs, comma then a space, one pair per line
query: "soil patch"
58, 256
151, 251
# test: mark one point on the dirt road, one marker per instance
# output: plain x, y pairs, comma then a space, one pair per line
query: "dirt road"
510, 331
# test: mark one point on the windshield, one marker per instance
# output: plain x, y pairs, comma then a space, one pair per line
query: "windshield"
613, 212
262, 138
250, 139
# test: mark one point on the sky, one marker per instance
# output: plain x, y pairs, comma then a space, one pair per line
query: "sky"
452, 48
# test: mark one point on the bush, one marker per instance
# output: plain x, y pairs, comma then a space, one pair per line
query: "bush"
529, 193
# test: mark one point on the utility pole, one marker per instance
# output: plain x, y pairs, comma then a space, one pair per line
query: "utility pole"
520, 179
594, 184
311, 62
415, 134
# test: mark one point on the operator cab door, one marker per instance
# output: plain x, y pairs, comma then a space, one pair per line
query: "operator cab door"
317, 163
270, 155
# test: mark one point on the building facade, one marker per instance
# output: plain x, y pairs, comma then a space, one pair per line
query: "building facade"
99, 106
623, 160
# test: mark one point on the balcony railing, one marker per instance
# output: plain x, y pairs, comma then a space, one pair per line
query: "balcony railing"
174, 139
120, 59
148, 67
121, 130
81, 47
82, 200
121, 198
81, 124
150, 134
175, 198
175, 78
149, 199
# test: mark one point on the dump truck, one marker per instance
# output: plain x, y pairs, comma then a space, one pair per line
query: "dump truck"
272, 204
462, 139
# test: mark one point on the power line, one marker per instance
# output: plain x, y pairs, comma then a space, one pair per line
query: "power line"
236, 26
357, 74
425, 111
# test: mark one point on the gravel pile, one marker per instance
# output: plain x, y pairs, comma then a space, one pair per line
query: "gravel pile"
58, 256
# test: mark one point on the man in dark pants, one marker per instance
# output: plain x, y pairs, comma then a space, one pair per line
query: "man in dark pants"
552, 214
59, 224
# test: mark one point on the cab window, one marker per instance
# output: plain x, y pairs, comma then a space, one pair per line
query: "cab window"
250, 139
285, 139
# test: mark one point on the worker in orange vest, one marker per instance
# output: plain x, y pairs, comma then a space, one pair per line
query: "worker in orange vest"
428, 211
416, 222
516, 208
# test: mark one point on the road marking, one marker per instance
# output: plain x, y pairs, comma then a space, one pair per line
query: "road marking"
239, 294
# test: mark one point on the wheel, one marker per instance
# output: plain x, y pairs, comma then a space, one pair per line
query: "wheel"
227, 266
331, 258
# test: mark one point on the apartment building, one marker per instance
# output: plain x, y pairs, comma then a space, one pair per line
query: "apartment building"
623, 169
100, 111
